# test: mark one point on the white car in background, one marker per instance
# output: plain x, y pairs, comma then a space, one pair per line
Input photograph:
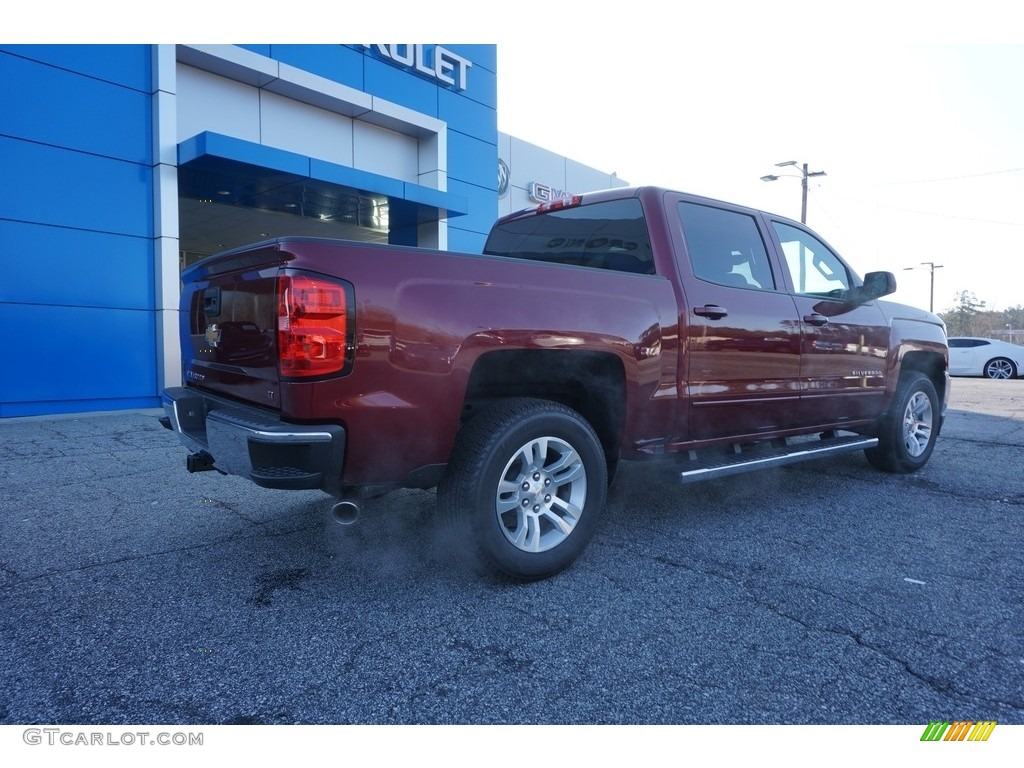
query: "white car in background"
991, 358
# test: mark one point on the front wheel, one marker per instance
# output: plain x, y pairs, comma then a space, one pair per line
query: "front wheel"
908, 431
1000, 368
524, 488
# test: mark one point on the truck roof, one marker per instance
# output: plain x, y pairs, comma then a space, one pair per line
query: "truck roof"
648, 192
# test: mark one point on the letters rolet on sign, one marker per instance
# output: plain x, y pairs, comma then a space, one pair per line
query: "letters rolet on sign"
436, 62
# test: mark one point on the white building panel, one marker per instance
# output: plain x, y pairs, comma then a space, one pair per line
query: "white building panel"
580, 178
208, 102
379, 150
305, 129
530, 163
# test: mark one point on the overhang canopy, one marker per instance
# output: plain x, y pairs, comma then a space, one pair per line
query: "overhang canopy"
229, 171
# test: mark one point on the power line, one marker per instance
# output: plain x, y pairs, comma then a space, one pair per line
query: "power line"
949, 178
878, 204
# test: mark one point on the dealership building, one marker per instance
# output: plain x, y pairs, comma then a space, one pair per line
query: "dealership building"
121, 164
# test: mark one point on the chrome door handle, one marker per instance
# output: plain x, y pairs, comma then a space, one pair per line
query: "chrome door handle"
711, 310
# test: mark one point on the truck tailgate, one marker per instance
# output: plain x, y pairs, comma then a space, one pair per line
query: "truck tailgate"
229, 339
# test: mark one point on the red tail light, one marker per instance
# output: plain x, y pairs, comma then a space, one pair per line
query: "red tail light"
313, 331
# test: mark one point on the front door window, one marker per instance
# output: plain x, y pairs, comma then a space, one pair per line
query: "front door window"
813, 268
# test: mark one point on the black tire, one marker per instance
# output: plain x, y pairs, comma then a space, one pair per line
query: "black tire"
1000, 368
907, 433
524, 488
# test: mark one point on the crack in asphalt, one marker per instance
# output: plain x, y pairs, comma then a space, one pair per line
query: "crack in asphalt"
975, 441
500, 656
236, 536
5, 568
229, 508
941, 686
919, 483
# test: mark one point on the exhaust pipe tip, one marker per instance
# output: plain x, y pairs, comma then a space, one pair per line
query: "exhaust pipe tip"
345, 512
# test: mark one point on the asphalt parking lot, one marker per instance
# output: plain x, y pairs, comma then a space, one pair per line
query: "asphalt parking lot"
133, 592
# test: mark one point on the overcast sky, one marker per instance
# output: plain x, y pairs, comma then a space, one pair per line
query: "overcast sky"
922, 141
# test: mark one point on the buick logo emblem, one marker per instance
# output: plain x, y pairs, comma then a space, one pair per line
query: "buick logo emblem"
503, 174
213, 335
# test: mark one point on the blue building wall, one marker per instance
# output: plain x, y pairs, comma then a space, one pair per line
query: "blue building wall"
76, 228
77, 262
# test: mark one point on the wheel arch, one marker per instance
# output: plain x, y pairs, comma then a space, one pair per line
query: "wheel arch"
591, 383
932, 365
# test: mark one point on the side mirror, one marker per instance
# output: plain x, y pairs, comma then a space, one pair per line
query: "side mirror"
877, 284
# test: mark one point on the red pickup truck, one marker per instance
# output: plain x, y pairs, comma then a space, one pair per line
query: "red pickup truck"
626, 324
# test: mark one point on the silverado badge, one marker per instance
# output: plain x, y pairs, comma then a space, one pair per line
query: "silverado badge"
213, 335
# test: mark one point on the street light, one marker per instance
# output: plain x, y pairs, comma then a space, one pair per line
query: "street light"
932, 266
805, 174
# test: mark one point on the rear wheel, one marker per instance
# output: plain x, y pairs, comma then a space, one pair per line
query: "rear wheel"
1000, 368
908, 431
524, 488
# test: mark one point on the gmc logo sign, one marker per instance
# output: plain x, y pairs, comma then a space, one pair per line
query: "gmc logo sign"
542, 193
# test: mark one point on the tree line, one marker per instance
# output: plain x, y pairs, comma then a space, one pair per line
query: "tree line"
969, 317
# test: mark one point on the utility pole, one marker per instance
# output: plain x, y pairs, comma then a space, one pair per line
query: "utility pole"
932, 266
805, 174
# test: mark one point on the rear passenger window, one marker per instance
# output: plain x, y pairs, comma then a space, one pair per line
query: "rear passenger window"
725, 247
